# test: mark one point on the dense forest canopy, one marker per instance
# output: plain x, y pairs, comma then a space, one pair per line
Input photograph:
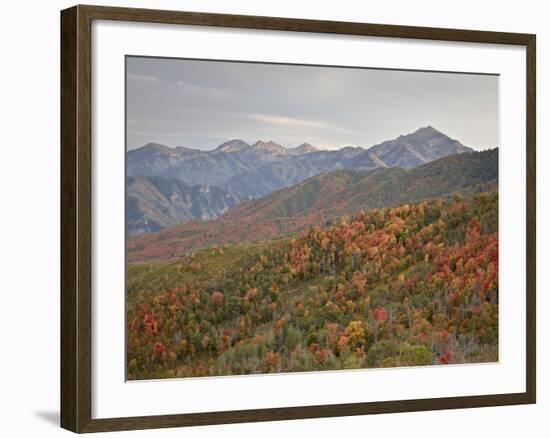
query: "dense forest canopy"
415, 284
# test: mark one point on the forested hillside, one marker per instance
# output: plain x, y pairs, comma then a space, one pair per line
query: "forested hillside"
415, 284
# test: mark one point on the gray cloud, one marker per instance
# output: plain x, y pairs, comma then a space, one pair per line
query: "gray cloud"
201, 104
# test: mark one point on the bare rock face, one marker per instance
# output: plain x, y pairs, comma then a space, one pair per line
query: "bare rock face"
155, 202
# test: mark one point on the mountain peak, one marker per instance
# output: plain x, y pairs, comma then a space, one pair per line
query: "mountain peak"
156, 151
427, 131
423, 145
160, 149
304, 148
154, 147
269, 146
235, 145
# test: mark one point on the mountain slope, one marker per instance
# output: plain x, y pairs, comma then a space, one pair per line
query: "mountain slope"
323, 198
154, 202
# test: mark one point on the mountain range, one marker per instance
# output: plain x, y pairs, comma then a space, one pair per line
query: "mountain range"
321, 199
171, 185
260, 168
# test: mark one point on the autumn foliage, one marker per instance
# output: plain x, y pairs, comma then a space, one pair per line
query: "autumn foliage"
404, 286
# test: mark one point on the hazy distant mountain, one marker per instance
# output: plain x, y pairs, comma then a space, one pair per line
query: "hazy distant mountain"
263, 167
154, 159
264, 147
154, 202
270, 147
420, 147
322, 198
304, 148
233, 146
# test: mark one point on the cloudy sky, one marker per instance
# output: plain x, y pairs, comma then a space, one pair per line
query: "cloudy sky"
200, 104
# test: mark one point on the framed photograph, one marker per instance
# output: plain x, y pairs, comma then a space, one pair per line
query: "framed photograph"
271, 218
